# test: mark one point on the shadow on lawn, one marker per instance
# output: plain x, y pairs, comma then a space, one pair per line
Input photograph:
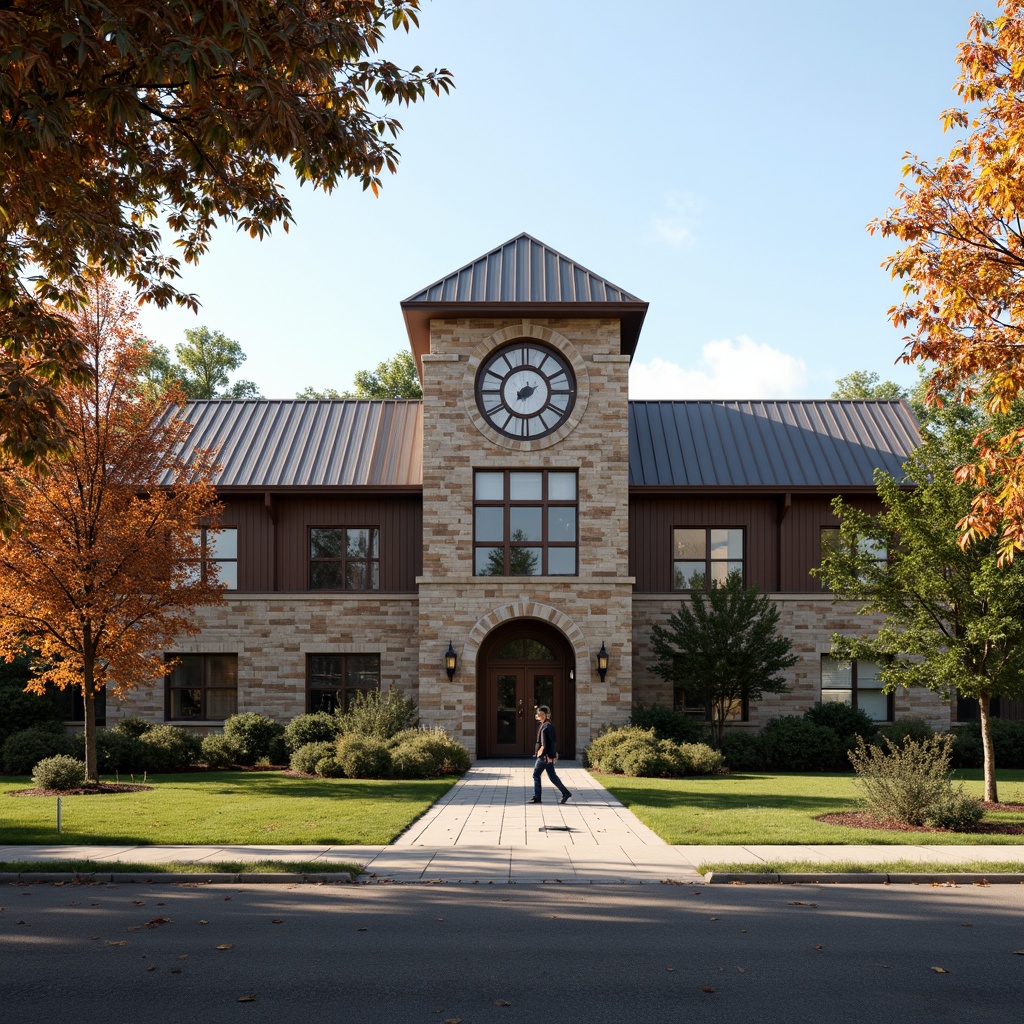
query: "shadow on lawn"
727, 800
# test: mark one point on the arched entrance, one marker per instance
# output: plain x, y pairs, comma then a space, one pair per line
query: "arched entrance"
524, 664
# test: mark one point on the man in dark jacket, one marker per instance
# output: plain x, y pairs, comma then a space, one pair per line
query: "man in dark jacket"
547, 755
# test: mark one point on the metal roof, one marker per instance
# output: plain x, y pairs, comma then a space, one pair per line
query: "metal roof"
263, 444
768, 445
522, 277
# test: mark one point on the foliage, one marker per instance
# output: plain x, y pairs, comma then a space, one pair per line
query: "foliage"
255, 737
59, 772
903, 782
220, 751
700, 759
668, 724
205, 361
903, 729
962, 265
171, 748
743, 751
866, 384
363, 757
845, 721
316, 727
20, 709
377, 715
24, 750
954, 618
102, 579
133, 727
330, 768
305, 758
795, 744
130, 131
723, 648
393, 378
429, 751
955, 811
640, 753
1007, 741
116, 752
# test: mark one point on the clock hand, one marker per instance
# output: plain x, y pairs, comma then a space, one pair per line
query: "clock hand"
525, 392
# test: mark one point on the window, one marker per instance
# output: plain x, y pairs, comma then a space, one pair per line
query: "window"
705, 556
332, 680
71, 704
344, 558
219, 548
855, 683
832, 544
202, 687
524, 523
739, 711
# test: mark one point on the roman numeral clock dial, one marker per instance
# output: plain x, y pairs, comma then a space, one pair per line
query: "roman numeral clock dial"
526, 390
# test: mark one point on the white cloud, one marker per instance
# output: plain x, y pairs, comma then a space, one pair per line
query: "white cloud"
739, 368
676, 225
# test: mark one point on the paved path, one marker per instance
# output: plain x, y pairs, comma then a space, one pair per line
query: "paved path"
484, 831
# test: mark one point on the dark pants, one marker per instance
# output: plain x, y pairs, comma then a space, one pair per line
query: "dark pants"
540, 766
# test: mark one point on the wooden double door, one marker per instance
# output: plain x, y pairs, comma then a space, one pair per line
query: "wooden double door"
524, 666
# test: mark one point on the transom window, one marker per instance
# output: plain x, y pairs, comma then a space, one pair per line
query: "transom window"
705, 556
332, 680
525, 523
344, 558
202, 687
855, 683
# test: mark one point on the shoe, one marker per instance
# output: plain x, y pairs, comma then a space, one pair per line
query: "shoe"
565, 798
534, 800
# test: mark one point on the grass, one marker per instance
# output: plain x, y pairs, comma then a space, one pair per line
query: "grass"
222, 808
882, 867
259, 867
763, 808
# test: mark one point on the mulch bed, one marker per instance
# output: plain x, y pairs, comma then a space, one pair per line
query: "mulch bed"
98, 790
859, 819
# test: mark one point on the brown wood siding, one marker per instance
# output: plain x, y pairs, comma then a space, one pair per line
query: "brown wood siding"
781, 544
399, 519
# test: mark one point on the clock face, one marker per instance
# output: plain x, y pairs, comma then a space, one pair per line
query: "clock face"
525, 390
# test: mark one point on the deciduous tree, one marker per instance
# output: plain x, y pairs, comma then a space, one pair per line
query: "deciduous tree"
128, 131
393, 378
963, 265
104, 575
867, 384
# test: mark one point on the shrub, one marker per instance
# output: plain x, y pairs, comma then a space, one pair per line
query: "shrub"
668, 724
255, 737
59, 772
903, 729
317, 727
306, 758
903, 782
377, 715
411, 761
330, 768
639, 761
115, 752
133, 727
25, 749
604, 753
846, 722
425, 753
20, 710
363, 757
219, 751
171, 748
700, 759
793, 744
743, 751
967, 751
955, 811
1008, 739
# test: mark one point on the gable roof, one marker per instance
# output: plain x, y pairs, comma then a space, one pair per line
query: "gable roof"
522, 277
772, 445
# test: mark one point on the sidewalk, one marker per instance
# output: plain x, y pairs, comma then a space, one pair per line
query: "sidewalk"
484, 832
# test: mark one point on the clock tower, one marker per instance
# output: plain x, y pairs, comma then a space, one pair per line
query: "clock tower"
524, 358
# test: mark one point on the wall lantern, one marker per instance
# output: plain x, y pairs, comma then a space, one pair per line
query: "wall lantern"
602, 662
450, 661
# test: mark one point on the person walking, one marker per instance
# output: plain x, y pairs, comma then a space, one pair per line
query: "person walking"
547, 755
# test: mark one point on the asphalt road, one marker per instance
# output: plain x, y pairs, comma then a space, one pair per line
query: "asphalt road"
277, 954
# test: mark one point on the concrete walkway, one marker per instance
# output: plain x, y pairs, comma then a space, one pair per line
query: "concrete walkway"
483, 831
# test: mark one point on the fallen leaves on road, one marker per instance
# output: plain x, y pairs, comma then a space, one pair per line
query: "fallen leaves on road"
940, 970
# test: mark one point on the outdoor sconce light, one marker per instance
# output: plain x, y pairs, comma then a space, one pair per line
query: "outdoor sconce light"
602, 662
450, 661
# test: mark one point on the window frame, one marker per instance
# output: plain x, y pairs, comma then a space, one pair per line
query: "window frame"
823, 549
545, 503
206, 543
345, 688
702, 712
890, 698
708, 560
204, 686
370, 562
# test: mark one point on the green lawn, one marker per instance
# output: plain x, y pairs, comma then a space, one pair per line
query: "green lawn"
763, 808
230, 808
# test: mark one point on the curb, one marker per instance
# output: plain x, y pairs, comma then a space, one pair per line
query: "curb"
861, 878
211, 878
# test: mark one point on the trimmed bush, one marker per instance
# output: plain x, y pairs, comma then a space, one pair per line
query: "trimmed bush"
701, 759
955, 811
792, 744
316, 727
219, 751
669, 725
171, 748
306, 758
330, 768
59, 772
363, 757
411, 761
377, 715
433, 751
605, 752
20, 710
639, 761
115, 752
133, 727
25, 749
846, 722
743, 751
916, 729
256, 738
639, 753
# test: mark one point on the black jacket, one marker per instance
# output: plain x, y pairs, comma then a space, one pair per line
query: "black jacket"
546, 741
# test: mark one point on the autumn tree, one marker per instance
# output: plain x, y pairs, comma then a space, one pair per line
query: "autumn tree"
203, 366
105, 573
723, 648
962, 266
128, 131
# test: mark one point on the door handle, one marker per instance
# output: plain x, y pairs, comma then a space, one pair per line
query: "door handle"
520, 709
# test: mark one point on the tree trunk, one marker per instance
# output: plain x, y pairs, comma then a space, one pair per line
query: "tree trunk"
92, 773
988, 748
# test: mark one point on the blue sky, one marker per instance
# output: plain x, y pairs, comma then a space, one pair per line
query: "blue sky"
719, 161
